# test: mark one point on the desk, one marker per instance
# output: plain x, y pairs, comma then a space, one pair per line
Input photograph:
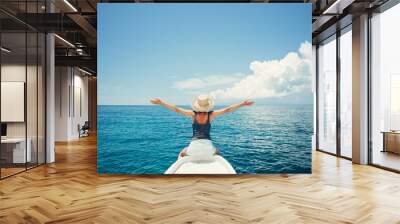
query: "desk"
18, 149
391, 141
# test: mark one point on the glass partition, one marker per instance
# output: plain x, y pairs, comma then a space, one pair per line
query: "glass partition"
22, 78
14, 153
327, 95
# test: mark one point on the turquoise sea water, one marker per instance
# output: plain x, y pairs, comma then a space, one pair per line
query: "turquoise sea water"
259, 139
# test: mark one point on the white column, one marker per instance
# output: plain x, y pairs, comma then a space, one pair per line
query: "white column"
50, 99
50, 91
360, 90
63, 100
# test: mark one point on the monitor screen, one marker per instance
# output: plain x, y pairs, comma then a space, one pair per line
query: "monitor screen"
3, 129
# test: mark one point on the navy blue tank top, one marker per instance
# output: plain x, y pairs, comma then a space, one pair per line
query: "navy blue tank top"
201, 131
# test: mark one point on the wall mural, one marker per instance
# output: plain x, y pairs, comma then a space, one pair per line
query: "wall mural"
204, 88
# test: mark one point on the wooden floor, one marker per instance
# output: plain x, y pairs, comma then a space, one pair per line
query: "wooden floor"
70, 191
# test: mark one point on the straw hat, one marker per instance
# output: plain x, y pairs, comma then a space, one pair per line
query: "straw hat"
203, 103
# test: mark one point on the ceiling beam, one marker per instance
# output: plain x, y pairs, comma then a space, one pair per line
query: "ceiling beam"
84, 24
81, 61
338, 6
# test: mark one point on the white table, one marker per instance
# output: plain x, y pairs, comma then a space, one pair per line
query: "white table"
19, 153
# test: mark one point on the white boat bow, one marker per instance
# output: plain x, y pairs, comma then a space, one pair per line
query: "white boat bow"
200, 164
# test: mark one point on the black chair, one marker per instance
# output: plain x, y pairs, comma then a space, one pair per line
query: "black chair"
84, 130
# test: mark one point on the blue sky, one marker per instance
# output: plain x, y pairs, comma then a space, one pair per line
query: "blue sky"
176, 51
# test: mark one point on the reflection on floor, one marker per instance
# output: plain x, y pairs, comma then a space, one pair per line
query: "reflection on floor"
10, 169
387, 159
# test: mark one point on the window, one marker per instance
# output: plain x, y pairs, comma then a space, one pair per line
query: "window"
327, 95
346, 92
385, 89
395, 102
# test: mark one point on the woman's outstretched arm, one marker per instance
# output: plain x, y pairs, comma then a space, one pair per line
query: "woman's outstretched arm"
231, 108
182, 111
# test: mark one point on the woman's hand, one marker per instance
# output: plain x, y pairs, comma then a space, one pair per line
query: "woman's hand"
231, 108
174, 108
156, 101
247, 103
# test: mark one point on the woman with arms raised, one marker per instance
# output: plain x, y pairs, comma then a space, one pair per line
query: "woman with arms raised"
202, 116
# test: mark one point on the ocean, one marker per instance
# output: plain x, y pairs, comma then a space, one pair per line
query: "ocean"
261, 139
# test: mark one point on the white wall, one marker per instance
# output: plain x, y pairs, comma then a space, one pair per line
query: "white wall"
70, 83
62, 82
12, 73
79, 117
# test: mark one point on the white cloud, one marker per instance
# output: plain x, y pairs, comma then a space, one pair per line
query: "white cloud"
207, 81
274, 78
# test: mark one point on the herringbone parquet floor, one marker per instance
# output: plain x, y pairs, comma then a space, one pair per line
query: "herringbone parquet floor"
70, 191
